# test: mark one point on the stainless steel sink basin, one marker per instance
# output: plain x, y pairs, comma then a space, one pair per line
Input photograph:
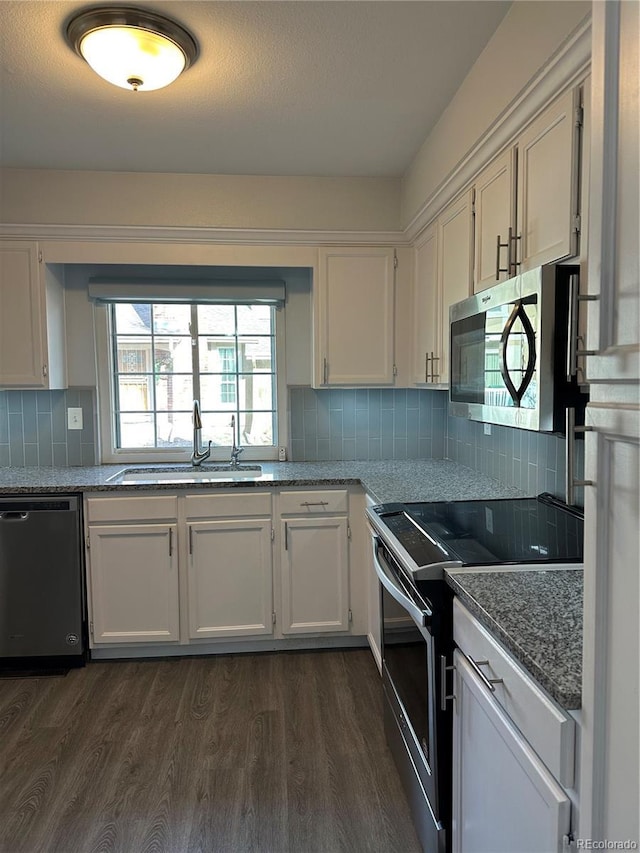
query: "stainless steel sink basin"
211, 474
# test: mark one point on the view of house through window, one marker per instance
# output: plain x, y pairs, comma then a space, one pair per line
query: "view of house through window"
165, 356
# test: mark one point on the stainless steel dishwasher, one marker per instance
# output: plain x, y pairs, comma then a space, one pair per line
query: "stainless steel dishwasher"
41, 582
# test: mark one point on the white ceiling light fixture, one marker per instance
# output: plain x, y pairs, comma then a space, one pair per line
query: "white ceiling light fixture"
132, 48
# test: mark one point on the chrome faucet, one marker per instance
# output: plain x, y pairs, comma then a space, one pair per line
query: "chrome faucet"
199, 455
235, 450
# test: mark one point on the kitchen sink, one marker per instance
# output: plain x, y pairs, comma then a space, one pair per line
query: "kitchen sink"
211, 474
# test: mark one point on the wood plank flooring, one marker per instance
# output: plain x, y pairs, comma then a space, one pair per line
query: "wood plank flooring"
271, 753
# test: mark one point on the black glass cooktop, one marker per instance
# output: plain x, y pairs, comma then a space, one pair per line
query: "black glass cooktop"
488, 532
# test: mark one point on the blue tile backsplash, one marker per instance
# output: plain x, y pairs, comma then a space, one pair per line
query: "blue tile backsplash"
33, 428
366, 424
325, 425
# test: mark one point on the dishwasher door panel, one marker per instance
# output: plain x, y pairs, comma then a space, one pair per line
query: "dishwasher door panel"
41, 593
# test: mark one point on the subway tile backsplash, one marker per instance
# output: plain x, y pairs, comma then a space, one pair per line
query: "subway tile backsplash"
531, 461
366, 424
414, 424
33, 428
325, 425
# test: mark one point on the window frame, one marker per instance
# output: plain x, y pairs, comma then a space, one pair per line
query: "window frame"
108, 453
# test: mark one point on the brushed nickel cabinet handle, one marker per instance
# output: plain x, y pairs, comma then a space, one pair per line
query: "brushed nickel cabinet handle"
488, 682
499, 246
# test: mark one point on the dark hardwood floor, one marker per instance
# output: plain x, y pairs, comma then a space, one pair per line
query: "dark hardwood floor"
272, 753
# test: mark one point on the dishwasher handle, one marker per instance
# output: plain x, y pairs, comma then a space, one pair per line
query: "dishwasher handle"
14, 516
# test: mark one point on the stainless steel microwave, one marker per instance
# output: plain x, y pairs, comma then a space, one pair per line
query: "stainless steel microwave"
509, 348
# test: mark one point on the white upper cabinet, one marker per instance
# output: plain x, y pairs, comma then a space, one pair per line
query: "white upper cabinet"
613, 265
455, 263
426, 320
443, 265
354, 317
32, 334
548, 179
527, 199
494, 216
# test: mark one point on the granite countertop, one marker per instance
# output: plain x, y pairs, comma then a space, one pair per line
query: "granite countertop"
537, 615
410, 480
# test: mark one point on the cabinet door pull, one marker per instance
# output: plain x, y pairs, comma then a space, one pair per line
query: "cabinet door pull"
171, 542
286, 536
444, 696
325, 371
434, 376
488, 682
570, 454
314, 503
506, 246
513, 249
190, 539
426, 366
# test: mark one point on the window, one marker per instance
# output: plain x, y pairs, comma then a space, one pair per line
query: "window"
165, 356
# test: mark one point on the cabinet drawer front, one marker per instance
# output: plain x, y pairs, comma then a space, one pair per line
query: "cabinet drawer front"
544, 724
228, 505
314, 502
132, 509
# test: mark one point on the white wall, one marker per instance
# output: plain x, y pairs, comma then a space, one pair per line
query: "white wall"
49, 197
528, 36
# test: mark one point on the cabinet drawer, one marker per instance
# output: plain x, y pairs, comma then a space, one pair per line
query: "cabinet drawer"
314, 502
228, 505
544, 724
132, 509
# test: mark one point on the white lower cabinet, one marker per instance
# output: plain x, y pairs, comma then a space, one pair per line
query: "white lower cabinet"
194, 567
315, 575
230, 578
507, 797
314, 561
134, 583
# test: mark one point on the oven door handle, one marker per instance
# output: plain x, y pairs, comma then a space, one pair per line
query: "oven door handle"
385, 576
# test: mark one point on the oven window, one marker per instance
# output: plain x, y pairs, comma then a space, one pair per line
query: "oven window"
406, 657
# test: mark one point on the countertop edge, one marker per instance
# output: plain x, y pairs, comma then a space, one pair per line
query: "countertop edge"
568, 699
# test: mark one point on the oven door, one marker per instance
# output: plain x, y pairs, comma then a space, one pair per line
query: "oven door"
409, 679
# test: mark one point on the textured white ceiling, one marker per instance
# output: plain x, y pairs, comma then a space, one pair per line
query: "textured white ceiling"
280, 88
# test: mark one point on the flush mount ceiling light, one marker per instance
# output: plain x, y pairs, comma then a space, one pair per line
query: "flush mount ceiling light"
132, 48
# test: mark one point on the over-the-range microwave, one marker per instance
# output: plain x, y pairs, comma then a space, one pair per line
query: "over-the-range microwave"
510, 351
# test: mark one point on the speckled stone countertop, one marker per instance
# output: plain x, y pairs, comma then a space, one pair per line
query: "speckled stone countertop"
411, 480
538, 616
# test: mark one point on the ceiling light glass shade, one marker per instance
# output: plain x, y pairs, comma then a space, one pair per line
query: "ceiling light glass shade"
132, 48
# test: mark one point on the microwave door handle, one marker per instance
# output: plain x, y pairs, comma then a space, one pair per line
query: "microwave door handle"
387, 580
518, 312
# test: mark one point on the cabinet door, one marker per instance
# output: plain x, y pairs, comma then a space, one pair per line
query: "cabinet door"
504, 798
494, 215
614, 265
22, 312
426, 325
609, 788
548, 177
133, 573
315, 575
455, 260
230, 578
354, 303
